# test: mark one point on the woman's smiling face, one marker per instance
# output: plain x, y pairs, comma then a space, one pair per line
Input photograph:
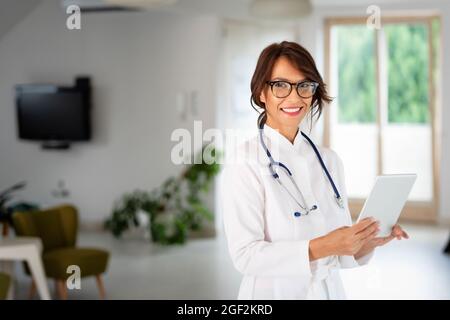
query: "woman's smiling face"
288, 112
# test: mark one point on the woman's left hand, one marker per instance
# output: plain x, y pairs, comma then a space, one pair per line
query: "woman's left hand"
397, 232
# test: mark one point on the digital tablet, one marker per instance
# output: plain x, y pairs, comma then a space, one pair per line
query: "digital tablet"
387, 199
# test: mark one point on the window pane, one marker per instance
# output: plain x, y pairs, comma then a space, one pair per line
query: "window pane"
353, 112
407, 133
356, 73
407, 73
407, 149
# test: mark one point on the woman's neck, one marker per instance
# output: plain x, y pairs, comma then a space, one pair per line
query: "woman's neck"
288, 132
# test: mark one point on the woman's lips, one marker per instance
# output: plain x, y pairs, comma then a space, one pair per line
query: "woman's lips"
292, 111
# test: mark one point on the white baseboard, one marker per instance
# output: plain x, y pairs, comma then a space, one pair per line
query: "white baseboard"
208, 231
91, 226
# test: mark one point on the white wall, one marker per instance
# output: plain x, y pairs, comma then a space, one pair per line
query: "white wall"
138, 63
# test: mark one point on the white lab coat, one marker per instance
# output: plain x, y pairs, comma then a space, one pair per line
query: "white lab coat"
266, 242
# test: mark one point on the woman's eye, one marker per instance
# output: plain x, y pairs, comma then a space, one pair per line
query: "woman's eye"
304, 85
281, 85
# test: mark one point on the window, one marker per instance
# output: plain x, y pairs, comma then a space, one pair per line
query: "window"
383, 118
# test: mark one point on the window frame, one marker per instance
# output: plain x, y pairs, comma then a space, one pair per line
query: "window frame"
414, 210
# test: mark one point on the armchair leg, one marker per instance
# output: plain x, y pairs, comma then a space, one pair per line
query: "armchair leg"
101, 288
61, 289
32, 291
5, 231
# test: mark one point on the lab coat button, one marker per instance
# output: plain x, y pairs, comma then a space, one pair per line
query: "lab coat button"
297, 214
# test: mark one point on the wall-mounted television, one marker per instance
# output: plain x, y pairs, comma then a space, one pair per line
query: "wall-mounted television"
55, 115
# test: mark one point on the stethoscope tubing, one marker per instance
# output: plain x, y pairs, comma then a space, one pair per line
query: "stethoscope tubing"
275, 175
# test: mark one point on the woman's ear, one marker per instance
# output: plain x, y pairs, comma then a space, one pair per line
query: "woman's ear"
262, 97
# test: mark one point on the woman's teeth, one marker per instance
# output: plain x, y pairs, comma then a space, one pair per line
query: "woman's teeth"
291, 110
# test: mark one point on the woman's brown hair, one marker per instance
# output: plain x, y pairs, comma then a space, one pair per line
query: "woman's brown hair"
300, 58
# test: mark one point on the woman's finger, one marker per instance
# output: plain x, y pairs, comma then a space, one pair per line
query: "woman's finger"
363, 224
405, 235
386, 240
395, 234
371, 235
377, 242
399, 233
382, 241
396, 230
367, 232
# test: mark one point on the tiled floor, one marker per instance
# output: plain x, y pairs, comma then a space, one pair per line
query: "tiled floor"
407, 269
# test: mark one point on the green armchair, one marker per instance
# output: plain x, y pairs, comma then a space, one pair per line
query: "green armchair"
57, 228
5, 281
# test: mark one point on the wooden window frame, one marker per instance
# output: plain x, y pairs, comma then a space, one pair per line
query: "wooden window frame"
424, 211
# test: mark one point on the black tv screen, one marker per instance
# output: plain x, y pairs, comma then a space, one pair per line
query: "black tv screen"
53, 113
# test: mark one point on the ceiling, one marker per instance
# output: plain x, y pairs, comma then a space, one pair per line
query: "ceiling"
236, 9
240, 9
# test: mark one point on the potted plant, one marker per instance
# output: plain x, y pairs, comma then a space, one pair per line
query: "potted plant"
6, 211
174, 209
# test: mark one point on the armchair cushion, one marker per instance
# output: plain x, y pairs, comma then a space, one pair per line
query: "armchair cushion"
91, 261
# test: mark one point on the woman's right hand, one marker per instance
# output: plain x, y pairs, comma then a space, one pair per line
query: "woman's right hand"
344, 241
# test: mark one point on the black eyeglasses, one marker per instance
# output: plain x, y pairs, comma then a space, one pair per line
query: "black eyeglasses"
282, 89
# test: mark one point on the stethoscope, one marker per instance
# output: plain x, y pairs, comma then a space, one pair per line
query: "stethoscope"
273, 163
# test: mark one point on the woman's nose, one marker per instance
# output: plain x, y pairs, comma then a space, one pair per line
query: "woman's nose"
294, 97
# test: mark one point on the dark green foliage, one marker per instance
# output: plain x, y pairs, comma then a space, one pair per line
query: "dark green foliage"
408, 73
7, 208
174, 209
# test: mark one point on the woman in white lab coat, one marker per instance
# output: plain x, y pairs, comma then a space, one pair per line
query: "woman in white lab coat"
288, 236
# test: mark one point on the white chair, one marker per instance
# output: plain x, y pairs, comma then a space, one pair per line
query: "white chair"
26, 249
